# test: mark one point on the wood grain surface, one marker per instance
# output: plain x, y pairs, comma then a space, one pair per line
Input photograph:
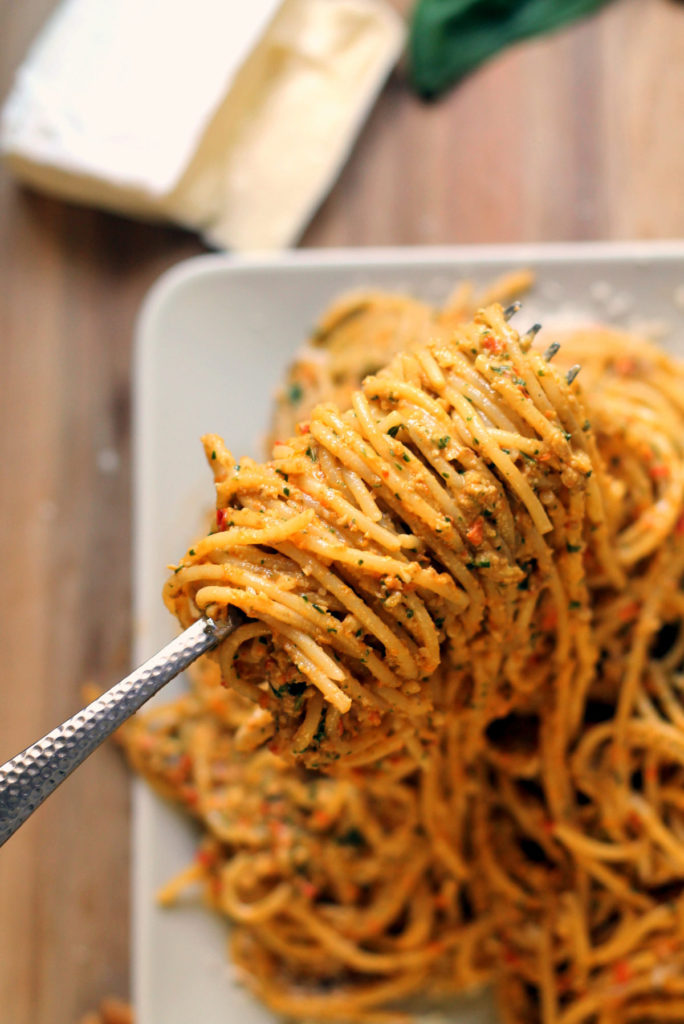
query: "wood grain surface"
576, 136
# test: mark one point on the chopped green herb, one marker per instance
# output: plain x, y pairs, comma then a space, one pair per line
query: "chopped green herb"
320, 731
443, 441
352, 837
295, 394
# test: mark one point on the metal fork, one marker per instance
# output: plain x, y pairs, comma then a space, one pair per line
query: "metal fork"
30, 777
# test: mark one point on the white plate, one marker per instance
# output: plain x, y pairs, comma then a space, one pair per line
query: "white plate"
213, 339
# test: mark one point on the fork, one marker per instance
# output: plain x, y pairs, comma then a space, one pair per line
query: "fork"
30, 777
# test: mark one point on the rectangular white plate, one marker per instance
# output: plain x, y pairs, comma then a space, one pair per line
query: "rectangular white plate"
213, 339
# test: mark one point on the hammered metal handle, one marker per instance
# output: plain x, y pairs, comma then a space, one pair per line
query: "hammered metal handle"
31, 776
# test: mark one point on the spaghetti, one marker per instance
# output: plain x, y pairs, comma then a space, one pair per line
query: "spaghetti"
501, 789
450, 507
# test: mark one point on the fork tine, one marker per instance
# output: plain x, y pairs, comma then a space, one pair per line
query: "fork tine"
572, 373
551, 351
511, 310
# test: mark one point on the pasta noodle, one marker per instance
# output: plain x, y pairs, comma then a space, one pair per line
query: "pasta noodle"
452, 743
481, 486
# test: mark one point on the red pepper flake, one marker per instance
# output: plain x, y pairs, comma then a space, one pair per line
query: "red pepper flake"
308, 889
475, 534
321, 819
206, 858
550, 619
277, 829
625, 365
492, 344
629, 612
664, 948
679, 526
509, 957
622, 972
303, 428
221, 514
634, 821
660, 472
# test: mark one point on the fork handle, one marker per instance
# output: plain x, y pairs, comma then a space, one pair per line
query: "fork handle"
31, 776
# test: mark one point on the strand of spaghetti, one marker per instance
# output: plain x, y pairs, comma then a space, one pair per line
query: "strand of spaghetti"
371, 623
391, 897
505, 465
588, 847
587, 1005
390, 475
258, 910
348, 514
339, 1006
364, 960
363, 753
314, 663
418, 475
487, 448
549, 1004
615, 883
655, 920
268, 534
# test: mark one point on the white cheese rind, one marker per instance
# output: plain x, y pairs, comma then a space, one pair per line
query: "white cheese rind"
230, 118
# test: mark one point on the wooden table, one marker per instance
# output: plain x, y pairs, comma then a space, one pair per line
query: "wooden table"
578, 136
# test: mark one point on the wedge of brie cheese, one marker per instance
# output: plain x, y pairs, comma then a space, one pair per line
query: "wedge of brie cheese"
232, 117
